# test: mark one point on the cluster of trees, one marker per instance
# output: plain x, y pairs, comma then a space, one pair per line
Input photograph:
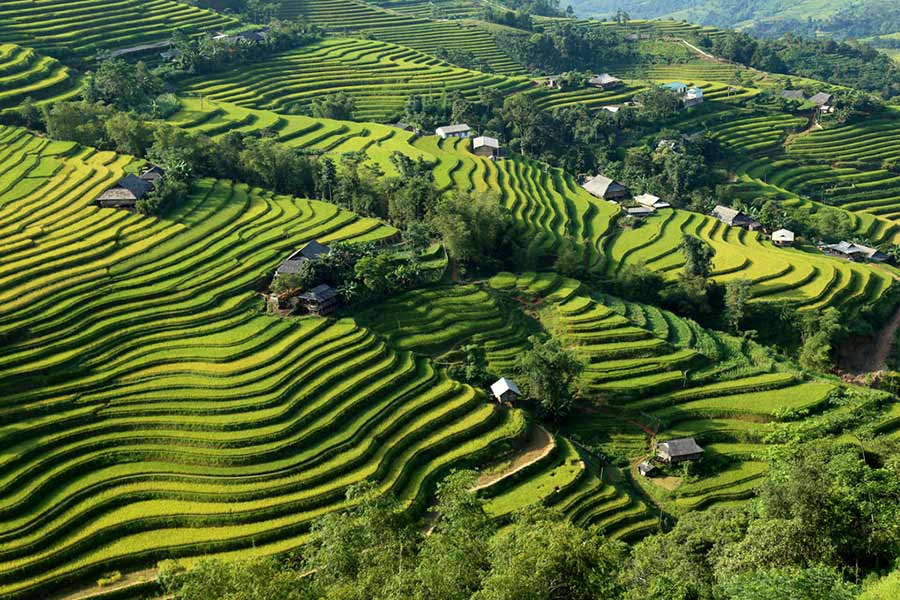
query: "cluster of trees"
205, 54
842, 63
358, 272
510, 18
566, 46
544, 8
255, 11
823, 521
464, 58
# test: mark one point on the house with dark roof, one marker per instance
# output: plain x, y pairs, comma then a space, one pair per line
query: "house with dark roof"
606, 188
604, 81
404, 126
794, 95
322, 300
822, 99
311, 251
680, 450
153, 173
735, 218
645, 469
126, 192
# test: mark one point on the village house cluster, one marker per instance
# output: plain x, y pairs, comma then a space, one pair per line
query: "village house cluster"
131, 188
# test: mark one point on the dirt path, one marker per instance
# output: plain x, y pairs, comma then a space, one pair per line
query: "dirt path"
876, 357
539, 445
128, 580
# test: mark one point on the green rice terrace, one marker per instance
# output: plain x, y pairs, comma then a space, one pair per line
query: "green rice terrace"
379, 76
78, 25
174, 383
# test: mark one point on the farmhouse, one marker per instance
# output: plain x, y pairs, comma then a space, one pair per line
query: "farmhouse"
855, 252
553, 82
794, 95
153, 173
486, 146
505, 391
604, 81
735, 218
322, 300
247, 37
311, 251
126, 192
693, 97
676, 451
676, 87
822, 99
639, 212
645, 469
783, 237
606, 188
651, 201
453, 131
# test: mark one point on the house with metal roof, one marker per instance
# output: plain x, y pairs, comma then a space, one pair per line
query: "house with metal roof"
783, 237
126, 192
855, 252
311, 251
651, 201
822, 99
486, 146
322, 300
676, 86
505, 391
680, 450
606, 188
735, 218
604, 81
794, 95
693, 97
460, 130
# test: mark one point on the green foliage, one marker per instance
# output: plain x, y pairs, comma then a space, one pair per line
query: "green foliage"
256, 579
334, 106
737, 293
820, 330
698, 257
548, 375
119, 84
474, 228
812, 583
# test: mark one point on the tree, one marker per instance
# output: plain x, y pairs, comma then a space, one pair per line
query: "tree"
454, 559
544, 557
334, 106
548, 375
811, 583
473, 227
819, 332
117, 83
256, 579
737, 293
698, 257
128, 134
326, 179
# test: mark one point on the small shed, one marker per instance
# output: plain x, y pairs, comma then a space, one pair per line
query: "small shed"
460, 130
783, 237
604, 81
735, 218
611, 109
639, 212
486, 146
606, 188
505, 391
794, 95
404, 126
126, 192
822, 99
311, 251
651, 201
693, 97
680, 450
645, 469
322, 300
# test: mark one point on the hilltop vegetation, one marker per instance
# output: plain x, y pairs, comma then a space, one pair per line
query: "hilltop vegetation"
252, 308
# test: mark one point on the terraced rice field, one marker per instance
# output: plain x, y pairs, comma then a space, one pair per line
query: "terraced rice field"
844, 166
557, 210
378, 75
26, 74
425, 35
674, 378
436, 322
78, 25
149, 409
